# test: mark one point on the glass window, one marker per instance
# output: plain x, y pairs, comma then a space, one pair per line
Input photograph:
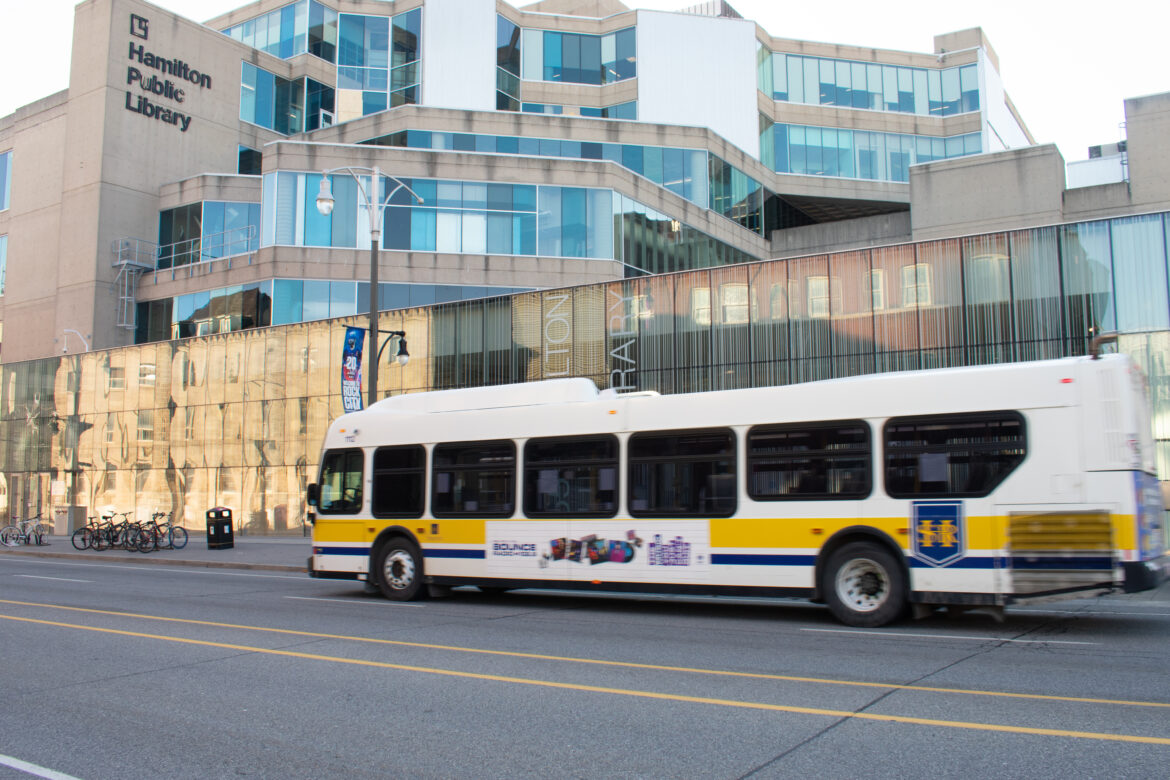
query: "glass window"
824, 460
341, 483
473, 478
5, 179
3, 262
571, 477
399, 477
952, 456
683, 473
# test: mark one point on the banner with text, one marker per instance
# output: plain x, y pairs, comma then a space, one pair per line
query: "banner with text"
351, 369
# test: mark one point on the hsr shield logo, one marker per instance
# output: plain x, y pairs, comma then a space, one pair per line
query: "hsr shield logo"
939, 531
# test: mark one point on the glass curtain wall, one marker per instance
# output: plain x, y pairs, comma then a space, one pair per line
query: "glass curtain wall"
235, 419
929, 92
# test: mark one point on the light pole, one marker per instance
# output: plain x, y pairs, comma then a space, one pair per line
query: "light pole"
376, 207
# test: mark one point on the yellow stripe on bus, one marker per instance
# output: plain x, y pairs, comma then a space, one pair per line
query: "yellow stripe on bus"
983, 532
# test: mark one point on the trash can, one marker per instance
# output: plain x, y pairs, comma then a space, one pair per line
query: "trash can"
220, 535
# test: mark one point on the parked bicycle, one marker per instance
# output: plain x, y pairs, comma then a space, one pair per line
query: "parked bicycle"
28, 531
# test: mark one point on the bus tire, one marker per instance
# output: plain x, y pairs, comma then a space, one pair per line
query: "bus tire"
864, 585
399, 569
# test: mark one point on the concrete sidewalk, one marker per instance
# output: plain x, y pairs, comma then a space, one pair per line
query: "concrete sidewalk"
267, 553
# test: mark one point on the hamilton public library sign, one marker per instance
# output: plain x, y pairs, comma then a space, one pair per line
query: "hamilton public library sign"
158, 85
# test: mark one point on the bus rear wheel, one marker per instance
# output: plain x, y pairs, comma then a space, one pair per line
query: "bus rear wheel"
864, 585
399, 568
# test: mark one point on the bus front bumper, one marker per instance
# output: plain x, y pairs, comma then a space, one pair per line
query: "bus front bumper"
1145, 575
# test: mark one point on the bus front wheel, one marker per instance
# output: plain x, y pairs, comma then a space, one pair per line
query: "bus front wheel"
864, 585
400, 570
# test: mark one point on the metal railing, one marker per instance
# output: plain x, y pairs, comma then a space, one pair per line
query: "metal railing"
208, 248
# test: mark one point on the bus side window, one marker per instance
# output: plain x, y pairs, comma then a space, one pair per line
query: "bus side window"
473, 478
682, 473
341, 483
571, 477
809, 461
953, 455
399, 477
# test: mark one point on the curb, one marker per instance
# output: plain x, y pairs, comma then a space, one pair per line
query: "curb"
157, 561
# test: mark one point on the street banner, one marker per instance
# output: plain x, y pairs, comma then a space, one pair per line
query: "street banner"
351, 369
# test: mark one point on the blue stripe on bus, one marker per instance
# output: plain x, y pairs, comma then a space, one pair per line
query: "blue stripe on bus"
740, 559
341, 550
432, 553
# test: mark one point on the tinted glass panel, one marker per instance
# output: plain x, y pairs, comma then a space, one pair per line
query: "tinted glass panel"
952, 455
576, 477
474, 478
682, 473
341, 483
821, 460
399, 474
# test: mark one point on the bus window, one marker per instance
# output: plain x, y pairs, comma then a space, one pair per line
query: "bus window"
341, 483
952, 456
399, 474
822, 460
571, 477
473, 478
682, 473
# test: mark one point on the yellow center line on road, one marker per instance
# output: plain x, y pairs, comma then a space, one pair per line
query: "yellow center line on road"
750, 705
602, 662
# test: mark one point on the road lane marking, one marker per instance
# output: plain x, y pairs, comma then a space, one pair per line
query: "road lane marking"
601, 662
673, 697
160, 568
33, 769
382, 603
58, 579
900, 634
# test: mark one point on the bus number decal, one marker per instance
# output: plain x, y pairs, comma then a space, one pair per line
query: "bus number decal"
939, 532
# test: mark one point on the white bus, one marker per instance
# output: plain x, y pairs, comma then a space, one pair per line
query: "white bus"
878, 495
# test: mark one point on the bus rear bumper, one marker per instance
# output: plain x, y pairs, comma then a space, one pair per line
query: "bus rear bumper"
1145, 575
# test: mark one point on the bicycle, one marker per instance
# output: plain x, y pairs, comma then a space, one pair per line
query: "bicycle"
28, 531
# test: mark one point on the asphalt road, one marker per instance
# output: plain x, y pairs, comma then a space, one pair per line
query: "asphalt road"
117, 671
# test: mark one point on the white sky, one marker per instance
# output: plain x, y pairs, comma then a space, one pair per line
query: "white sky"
1067, 65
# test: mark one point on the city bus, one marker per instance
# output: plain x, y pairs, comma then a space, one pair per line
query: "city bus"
879, 495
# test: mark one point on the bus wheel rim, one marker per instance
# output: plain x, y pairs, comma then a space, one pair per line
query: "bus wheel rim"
399, 569
863, 585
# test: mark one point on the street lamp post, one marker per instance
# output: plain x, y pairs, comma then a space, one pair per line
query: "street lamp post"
376, 207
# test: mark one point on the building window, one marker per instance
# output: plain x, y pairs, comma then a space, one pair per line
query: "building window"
507, 65
270, 101
146, 426
916, 284
876, 280
249, 162
5, 179
3, 262
117, 378
575, 58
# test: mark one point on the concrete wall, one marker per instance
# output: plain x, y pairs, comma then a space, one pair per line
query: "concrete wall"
1001, 191
1147, 127
91, 168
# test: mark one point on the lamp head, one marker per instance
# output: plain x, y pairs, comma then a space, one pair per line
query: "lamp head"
403, 357
325, 197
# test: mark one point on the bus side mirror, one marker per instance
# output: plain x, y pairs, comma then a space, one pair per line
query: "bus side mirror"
312, 493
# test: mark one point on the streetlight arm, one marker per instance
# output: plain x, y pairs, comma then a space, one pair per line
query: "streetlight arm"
376, 207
